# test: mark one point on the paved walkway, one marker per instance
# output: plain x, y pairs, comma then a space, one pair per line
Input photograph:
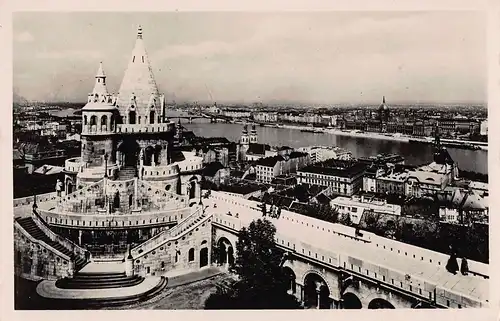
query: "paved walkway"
104, 267
192, 277
48, 289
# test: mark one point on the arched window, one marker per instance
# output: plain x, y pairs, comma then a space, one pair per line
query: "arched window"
152, 117
104, 123
191, 255
131, 117
112, 122
93, 120
85, 120
130, 200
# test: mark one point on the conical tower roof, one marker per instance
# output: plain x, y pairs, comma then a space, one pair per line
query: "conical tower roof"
100, 82
138, 80
99, 99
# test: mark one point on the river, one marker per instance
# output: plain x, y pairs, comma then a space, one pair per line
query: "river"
414, 154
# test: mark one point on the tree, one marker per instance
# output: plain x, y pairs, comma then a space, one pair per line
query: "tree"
261, 282
345, 219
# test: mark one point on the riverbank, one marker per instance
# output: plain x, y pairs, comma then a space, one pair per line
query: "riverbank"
371, 135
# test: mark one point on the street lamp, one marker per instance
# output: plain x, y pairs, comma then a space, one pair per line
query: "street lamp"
106, 165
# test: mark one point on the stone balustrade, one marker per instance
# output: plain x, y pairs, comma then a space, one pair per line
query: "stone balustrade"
163, 237
68, 244
29, 200
67, 268
160, 171
144, 128
106, 221
74, 164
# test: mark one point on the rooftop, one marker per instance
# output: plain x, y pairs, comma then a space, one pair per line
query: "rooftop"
269, 161
348, 169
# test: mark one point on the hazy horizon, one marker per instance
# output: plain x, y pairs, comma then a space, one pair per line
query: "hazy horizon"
331, 58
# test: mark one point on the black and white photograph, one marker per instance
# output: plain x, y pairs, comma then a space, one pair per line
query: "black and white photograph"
219, 160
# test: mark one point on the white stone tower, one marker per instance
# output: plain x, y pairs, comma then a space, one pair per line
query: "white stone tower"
139, 101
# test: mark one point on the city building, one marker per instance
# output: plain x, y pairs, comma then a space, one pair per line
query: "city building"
265, 117
216, 173
322, 153
268, 168
484, 128
345, 177
356, 205
457, 204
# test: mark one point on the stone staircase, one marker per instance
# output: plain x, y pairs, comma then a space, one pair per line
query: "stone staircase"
96, 280
29, 225
127, 173
188, 224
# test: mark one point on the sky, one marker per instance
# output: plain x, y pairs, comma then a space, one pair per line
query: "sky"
302, 57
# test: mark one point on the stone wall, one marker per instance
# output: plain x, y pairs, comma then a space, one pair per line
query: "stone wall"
34, 259
175, 254
94, 148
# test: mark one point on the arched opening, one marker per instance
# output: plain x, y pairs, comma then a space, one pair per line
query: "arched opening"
203, 257
192, 189
351, 301
131, 117
148, 156
177, 255
85, 120
130, 200
104, 123
69, 186
93, 123
116, 200
112, 123
226, 252
152, 117
380, 304
157, 153
178, 187
230, 256
191, 255
316, 292
290, 279
129, 151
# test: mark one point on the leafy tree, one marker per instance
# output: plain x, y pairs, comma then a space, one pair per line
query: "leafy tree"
261, 282
345, 219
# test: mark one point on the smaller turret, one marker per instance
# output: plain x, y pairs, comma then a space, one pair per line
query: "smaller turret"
178, 133
244, 136
253, 135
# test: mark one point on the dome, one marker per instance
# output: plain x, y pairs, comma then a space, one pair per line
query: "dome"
383, 106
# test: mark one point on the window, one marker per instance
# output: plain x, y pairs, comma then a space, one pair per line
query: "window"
191, 255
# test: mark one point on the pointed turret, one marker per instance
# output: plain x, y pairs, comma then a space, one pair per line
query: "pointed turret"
139, 82
100, 82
